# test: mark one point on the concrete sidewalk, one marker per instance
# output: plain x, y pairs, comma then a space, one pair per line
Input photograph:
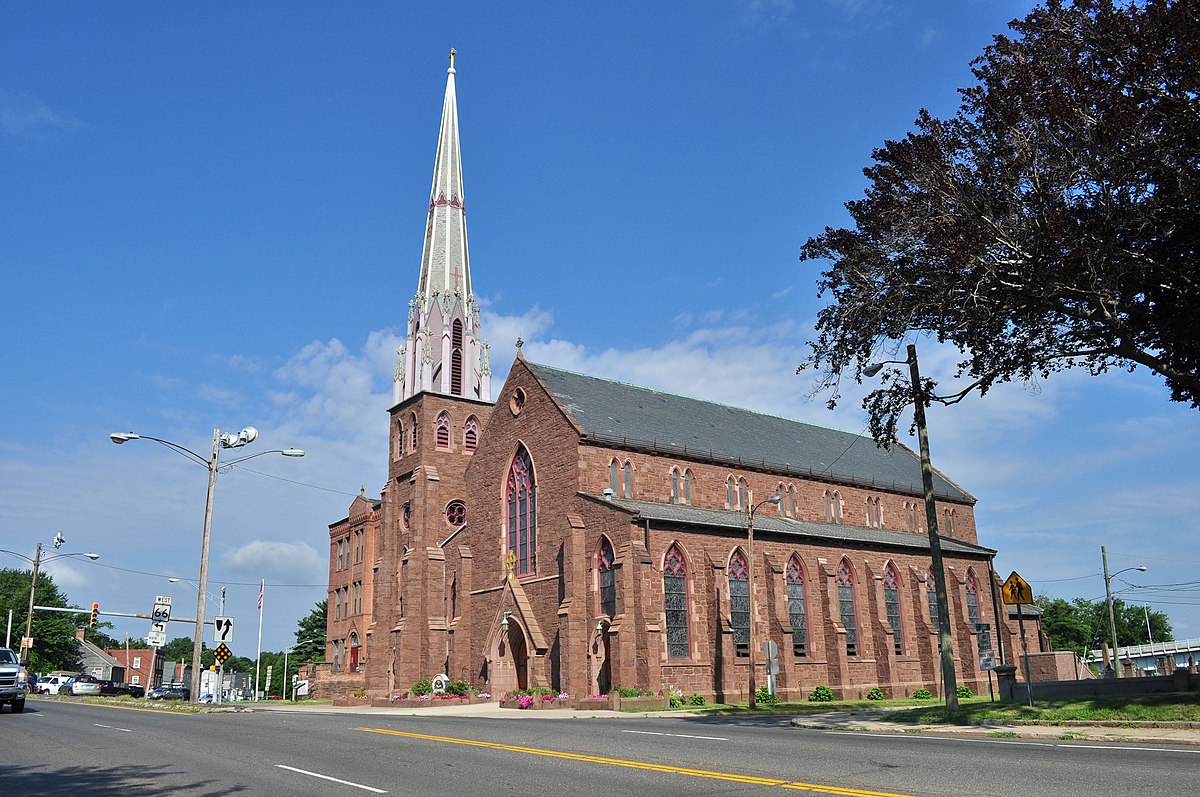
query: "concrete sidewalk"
1176, 733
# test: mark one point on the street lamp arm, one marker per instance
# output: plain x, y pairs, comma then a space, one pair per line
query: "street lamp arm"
287, 452
123, 437
43, 560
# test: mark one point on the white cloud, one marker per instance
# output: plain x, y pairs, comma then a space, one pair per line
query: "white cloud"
24, 116
277, 561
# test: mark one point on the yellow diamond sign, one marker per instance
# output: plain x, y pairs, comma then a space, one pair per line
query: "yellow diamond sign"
222, 653
1016, 590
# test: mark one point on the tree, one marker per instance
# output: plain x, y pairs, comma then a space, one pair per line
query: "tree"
1082, 625
310, 635
178, 649
53, 633
1052, 223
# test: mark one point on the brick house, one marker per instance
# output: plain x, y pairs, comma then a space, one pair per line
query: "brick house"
580, 534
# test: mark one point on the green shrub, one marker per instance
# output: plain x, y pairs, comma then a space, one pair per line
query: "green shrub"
922, 694
422, 687
460, 688
676, 701
875, 694
965, 691
696, 699
634, 691
822, 694
763, 695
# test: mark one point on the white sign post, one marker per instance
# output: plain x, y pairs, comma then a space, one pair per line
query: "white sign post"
222, 630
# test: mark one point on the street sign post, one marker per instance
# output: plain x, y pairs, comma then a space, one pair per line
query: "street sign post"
1016, 591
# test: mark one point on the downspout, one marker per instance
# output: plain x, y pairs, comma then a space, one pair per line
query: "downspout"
999, 623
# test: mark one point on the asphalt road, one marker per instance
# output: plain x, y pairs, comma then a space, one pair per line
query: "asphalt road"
60, 748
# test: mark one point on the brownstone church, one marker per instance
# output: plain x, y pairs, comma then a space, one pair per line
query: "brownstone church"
581, 534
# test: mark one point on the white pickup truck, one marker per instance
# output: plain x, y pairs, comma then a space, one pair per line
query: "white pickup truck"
12, 681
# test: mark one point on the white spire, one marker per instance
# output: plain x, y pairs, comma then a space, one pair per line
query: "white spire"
443, 325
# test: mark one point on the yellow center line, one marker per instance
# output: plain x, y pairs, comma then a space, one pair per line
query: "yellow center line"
667, 768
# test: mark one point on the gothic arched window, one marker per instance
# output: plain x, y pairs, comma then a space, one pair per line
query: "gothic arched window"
674, 485
628, 480
891, 601
443, 430
687, 487
845, 588
456, 357
739, 603
606, 578
972, 598
521, 500
797, 615
412, 422
471, 435
931, 594
675, 594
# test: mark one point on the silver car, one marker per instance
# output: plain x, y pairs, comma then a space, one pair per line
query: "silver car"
80, 685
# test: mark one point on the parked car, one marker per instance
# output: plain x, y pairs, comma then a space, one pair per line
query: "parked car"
49, 684
170, 692
79, 685
115, 688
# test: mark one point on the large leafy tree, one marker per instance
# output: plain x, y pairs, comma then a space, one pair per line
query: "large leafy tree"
53, 633
1081, 625
1053, 222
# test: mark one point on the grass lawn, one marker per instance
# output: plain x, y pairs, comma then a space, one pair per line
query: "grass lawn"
1166, 707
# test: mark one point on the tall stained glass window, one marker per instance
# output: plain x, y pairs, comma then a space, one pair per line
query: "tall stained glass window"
679, 644
521, 498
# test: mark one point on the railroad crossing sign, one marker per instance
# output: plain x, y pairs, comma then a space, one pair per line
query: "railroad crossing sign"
1016, 590
222, 630
222, 653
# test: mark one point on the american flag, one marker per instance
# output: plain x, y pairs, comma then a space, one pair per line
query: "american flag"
261, 587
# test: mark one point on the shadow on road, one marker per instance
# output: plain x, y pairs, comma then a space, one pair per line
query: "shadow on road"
97, 782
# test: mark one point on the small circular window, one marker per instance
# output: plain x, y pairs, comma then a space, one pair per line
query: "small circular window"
517, 402
407, 515
456, 513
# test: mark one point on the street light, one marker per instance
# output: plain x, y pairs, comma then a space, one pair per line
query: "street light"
775, 499
286, 651
37, 561
1112, 623
949, 680
228, 440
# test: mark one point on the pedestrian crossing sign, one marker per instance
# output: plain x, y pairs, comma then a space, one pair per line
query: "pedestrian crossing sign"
1016, 590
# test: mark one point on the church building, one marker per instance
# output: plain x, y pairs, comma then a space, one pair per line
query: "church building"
581, 534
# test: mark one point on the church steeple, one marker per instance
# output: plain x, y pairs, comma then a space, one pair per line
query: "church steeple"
443, 352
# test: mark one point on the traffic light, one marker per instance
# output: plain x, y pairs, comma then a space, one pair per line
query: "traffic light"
95, 615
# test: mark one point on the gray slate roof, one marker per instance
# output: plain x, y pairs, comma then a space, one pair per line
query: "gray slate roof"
621, 414
766, 521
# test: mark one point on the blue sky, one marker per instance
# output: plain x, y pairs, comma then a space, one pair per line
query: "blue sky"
211, 216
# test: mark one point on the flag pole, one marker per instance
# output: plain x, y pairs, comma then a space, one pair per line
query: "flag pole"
258, 656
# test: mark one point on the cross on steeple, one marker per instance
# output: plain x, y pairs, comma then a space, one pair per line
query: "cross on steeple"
453, 53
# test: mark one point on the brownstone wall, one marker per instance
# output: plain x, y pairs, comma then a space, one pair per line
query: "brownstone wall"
652, 482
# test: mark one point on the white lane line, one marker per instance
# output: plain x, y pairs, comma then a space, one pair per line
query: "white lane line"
1115, 745
111, 728
335, 780
1118, 746
920, 737
679, 735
